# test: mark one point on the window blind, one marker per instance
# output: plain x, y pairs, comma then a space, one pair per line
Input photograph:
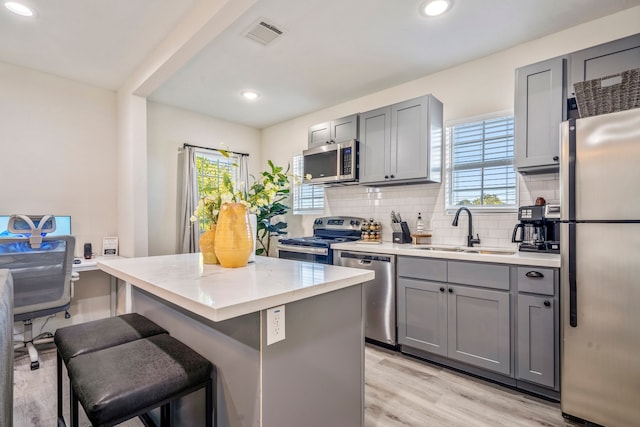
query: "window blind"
481, 170
307, 198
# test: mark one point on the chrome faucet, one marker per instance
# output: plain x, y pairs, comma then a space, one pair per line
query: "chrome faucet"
470, 240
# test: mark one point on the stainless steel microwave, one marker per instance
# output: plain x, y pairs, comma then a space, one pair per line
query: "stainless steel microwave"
331, 163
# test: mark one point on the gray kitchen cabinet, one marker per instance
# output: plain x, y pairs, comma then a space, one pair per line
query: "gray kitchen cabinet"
538, 344
402, 143
540, 107
342, 129
422, 315
465, 322
479, 327
544, 89
604, 60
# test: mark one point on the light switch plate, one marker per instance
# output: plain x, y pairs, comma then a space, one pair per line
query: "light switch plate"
275, 324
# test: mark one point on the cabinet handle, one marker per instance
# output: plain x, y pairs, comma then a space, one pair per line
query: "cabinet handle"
547, 304
450, 290
556, 158
386, 177
534, 274
442, 289
392, 176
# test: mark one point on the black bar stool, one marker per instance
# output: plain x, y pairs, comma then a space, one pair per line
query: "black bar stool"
128, 380
88, 337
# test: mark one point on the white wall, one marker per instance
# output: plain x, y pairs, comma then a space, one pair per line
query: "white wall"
58, 156
472, 89
168, 129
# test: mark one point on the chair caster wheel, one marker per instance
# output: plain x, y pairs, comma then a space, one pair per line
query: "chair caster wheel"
35, 365
67, 315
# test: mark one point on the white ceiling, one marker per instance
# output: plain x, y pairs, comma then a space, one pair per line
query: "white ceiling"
332, 50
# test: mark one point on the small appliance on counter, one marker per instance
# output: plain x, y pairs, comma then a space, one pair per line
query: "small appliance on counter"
539, 229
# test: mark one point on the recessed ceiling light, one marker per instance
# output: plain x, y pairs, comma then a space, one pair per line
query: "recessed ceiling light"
19, 8
434, 7
251, 95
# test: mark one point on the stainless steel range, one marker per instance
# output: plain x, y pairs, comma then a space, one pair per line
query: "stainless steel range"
317, 248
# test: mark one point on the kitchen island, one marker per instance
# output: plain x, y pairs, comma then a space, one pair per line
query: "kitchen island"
313, 377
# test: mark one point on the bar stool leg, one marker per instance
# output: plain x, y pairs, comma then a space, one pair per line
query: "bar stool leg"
209, 404
165, 415
59, 375
74, 409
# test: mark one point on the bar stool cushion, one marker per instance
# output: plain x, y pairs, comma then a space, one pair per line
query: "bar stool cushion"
120, 382
99, 334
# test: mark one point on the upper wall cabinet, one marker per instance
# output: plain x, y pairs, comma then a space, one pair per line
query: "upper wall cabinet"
540, 107
343, 129
402, 143
544, 89
604, 60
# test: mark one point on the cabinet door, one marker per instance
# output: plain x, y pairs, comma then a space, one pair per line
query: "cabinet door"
319, 134
409, 139
375, 134
422, 315
345, 128
604, 60
537, 347
479, 328
540, 107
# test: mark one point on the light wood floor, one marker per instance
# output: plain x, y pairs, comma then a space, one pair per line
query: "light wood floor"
399, 391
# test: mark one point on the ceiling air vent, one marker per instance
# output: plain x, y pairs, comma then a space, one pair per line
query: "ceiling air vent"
264, 32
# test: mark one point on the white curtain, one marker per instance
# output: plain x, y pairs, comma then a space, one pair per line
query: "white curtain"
188, 233
243, 169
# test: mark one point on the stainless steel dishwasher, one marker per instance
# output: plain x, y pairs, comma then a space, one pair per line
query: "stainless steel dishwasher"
379, 293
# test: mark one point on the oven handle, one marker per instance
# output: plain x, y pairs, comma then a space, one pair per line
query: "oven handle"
304, 249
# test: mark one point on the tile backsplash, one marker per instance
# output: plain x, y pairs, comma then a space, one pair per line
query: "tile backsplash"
495, 229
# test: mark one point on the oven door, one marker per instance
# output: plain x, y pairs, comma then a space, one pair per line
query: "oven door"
305, 253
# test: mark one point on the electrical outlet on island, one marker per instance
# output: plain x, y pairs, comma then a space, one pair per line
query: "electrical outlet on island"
275, 324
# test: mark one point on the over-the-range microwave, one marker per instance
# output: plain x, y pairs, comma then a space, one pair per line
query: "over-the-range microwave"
331, 163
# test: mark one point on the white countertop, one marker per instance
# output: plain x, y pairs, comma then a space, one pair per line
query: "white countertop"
218, 293
520, 258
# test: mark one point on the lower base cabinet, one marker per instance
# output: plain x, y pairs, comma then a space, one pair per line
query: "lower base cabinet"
479, 328
462, 323
506, 325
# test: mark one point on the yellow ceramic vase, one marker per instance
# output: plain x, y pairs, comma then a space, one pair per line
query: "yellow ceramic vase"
234, 237
207, 246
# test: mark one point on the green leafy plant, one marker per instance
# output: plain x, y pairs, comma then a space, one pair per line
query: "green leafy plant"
268, 197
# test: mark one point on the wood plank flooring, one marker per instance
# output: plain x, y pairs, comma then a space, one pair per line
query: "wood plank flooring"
399, 391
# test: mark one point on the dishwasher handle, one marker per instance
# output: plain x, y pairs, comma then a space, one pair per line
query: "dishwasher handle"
367, 259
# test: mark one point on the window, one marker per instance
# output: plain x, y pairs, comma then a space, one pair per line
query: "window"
209, 169
307, 198
481, 173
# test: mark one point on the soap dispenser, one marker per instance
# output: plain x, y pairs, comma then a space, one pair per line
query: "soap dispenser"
419, 224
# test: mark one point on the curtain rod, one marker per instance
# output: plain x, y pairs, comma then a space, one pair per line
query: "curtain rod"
215, 149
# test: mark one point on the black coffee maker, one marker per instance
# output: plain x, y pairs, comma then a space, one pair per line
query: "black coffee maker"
539, 229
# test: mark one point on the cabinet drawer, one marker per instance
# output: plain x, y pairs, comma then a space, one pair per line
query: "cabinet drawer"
536, 280
422, 268
479, 274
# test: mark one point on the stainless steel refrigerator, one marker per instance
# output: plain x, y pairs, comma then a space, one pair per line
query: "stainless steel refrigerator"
600, 278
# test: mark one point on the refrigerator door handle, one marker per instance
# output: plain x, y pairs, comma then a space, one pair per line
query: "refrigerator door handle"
573, 297
571, 166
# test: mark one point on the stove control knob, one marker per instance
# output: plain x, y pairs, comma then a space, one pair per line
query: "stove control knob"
355, 223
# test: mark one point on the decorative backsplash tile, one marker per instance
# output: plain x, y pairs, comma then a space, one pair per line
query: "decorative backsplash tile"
494, 228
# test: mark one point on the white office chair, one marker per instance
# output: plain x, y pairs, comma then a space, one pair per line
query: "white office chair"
42, 273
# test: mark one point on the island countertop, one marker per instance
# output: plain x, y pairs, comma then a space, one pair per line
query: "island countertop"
218, 293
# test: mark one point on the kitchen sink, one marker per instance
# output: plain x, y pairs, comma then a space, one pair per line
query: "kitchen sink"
489, 251
468, 250
439, 248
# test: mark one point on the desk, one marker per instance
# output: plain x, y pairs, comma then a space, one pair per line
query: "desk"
92, 265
